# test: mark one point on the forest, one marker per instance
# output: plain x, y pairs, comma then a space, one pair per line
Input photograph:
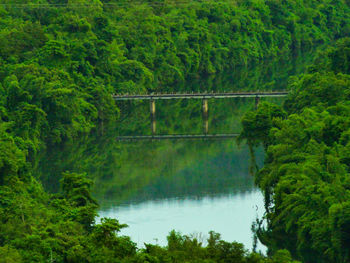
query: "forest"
62, 60
305, 178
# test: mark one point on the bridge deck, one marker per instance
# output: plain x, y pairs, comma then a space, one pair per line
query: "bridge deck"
200, 95
177, 137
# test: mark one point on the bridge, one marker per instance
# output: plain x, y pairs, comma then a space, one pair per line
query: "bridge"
200, 95
204, 97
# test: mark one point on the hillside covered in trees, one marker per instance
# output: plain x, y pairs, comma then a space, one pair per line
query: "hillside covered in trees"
62, 60
305, 178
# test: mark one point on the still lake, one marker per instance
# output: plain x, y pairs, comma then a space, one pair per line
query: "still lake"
191, 186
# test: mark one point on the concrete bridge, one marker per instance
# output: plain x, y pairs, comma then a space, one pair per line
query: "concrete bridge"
204, 97
219, 95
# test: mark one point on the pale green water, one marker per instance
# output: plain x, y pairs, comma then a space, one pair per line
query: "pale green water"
194, 187
151, 221
189, 186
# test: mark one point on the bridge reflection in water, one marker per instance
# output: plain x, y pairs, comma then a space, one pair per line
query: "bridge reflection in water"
205, 109
177, 136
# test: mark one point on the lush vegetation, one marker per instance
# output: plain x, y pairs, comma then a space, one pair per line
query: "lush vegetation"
61, 61
305, 178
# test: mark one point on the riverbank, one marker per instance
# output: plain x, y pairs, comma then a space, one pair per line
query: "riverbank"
305, 175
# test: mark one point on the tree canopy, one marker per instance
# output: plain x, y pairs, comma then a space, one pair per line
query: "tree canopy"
60, 62
305, 177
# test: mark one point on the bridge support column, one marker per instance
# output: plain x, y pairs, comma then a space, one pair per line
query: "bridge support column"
153, 116
205, 116
257, 100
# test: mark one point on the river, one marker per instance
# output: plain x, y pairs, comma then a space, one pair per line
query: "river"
191, 186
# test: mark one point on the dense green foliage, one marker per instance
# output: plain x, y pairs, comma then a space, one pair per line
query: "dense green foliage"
61, 61
60, 65
305, 178
59, 228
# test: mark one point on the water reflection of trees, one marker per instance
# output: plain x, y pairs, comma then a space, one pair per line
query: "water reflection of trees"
135, 171
159, 169
207, 170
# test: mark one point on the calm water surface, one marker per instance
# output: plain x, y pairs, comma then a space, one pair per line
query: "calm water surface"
194, 187
151, 221
189, 186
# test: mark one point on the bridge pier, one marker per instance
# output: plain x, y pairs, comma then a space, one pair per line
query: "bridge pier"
205, 116
202, 96
153, 116
257, 101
